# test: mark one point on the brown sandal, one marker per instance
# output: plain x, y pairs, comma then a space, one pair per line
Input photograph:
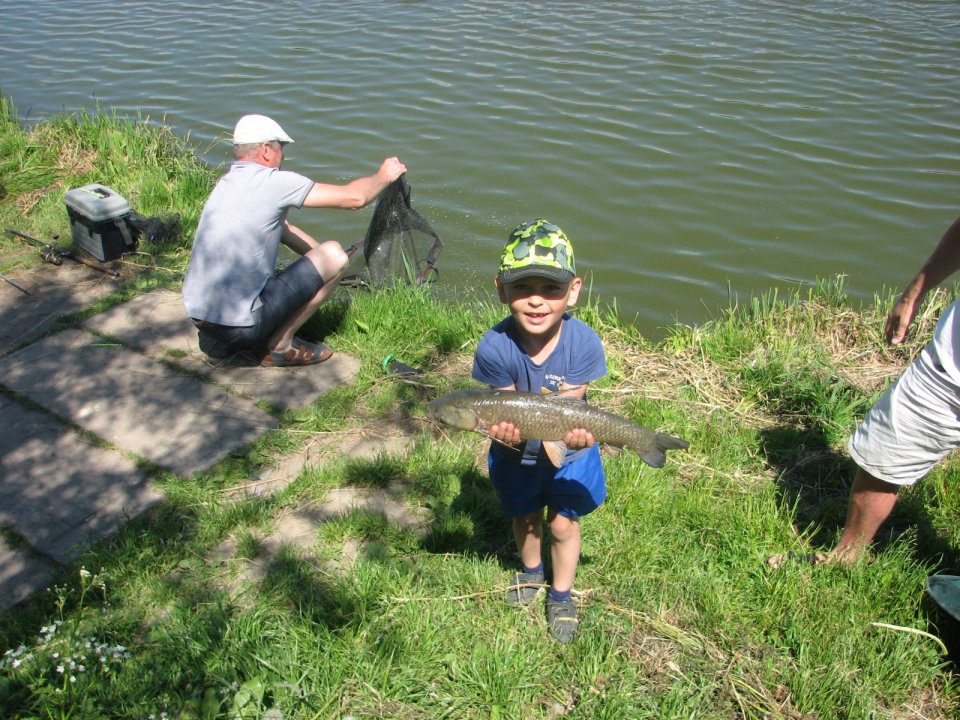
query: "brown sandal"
300, 353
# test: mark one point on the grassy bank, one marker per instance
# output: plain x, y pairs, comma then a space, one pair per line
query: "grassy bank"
681, 616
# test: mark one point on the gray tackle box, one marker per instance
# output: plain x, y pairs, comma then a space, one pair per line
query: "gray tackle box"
98, 221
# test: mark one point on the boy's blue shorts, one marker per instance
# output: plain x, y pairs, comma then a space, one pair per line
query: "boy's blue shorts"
572, 490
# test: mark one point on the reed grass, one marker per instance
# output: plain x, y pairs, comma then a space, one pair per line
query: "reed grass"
681, 616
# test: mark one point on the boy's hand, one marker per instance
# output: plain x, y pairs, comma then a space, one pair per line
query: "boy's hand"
579, 438
505, 432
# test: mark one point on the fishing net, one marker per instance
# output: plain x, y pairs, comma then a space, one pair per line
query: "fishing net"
161, 230
400, 245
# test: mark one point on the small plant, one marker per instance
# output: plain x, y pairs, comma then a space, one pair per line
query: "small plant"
62, 664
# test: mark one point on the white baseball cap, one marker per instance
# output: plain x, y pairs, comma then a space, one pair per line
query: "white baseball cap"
252, 129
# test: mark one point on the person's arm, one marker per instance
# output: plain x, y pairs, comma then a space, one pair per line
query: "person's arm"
942, 263
357, 193
297, 240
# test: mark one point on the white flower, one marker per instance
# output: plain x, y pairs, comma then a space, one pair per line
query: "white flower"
60, 669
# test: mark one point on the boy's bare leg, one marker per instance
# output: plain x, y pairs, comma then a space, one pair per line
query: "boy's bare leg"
564, 551
528, 533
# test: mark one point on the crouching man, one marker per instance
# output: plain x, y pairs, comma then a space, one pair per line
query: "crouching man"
230, 290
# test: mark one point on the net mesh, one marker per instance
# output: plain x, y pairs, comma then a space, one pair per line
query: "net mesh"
400, 245
161, 230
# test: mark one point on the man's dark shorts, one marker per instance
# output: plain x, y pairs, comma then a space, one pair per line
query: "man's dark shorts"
282, 296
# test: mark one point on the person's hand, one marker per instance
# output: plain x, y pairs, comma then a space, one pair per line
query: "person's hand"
391, 169
579, 438
505, 432
900, 317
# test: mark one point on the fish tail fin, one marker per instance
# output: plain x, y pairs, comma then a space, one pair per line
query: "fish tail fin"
657, 455
669, 442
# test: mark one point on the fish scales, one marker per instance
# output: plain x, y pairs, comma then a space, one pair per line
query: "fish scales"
541, 417
550, 418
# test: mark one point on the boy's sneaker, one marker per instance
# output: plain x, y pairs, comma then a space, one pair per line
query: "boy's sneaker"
562, 619
526, 586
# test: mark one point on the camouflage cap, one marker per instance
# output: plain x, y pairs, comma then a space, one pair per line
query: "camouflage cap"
537, 249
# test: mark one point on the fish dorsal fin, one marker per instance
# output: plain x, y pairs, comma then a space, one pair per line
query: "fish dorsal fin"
546, 391
556, 450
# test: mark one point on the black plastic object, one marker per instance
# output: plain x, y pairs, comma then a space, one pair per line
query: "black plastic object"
395, 367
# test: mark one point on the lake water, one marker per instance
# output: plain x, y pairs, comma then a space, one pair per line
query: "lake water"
691, 150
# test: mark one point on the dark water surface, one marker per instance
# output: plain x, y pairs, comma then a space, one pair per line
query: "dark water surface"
689, 149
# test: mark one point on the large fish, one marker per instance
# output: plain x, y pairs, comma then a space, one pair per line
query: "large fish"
549, 418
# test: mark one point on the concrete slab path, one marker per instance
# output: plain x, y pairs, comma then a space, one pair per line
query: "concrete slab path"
54, 292
155, 324
137, 404
133, 378
60, 490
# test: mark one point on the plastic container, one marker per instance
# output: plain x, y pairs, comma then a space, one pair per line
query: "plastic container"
98, 221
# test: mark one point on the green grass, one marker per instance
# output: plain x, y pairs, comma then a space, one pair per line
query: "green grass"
681, 617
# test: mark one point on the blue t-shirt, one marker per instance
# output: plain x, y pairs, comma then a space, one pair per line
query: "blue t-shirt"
235, 247
577, 359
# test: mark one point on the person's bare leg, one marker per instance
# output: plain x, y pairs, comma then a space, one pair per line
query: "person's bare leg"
330, 261
871, 502
528, 534
564, 551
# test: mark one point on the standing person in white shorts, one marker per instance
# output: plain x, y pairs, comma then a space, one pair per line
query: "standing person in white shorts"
916, 423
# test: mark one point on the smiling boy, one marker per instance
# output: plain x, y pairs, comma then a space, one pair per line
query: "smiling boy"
541, 348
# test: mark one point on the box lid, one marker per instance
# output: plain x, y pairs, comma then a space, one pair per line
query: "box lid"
97, 202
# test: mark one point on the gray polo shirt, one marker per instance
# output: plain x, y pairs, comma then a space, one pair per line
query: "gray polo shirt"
235, 248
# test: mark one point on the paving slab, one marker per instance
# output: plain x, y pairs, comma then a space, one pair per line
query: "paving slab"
155, 324
21, 575
58, 490
54, 292
178, 421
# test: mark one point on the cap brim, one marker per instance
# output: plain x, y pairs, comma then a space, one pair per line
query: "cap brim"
542, 271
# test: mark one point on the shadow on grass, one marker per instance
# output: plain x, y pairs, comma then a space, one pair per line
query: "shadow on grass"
471, 523
300, 586
815, 481
327, 319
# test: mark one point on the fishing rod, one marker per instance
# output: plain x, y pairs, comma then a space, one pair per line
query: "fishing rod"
21, 289
54, 254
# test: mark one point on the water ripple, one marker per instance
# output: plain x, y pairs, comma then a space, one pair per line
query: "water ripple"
690, 150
